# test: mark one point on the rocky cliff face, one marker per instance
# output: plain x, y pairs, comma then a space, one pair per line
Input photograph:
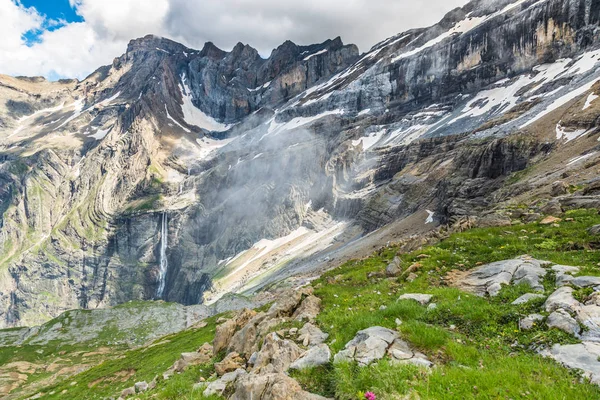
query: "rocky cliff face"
183, 174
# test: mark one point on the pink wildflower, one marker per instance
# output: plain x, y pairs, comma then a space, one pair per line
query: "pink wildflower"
370, 396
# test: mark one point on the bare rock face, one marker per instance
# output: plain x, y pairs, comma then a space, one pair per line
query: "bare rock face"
226, 330
561, 319
308, 310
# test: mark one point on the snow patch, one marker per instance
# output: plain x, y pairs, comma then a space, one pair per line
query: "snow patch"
590, 100
315, 54
194, 116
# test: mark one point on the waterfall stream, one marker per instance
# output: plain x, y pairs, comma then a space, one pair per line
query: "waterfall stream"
164, 262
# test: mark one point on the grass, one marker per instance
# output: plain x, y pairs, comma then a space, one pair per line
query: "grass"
143, 364
475, 342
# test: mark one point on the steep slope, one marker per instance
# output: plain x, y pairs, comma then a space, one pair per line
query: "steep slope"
183, 174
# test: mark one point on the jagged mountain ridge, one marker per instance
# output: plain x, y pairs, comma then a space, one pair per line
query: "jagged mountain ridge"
271, 168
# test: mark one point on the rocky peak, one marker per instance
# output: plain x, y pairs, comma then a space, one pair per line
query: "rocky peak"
211, 51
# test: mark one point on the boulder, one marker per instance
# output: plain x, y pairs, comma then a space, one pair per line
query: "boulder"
586, 281
203, 356
552, 208
526, 298
141, 387
288, 302
494, 220
488, 279
582, 357
310, 335
562, 298
220, 385
550, 220
225, 332
562, 320
564, 274
308, 310
394, 268
230, 363
401, 353
530, 321
276, 355
422, 299
559, 188
130, 391
367, 346
276, 386
315, 356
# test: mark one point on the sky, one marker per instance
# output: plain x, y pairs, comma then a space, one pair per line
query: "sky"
72, 38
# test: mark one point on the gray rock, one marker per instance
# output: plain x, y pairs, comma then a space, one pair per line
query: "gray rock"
488, 279
276, 355
394, 268
530, 321
586, 281
583, 356
562, 298
220, 385
559, 188
367, 346
141, 387
401, 353
315, 356
594, 230
310, 335
526, 298
422, 299
562, 320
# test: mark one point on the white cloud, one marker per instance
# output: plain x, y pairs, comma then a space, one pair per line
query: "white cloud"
76, 49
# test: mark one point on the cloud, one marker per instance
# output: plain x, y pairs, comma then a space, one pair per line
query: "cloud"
76, 49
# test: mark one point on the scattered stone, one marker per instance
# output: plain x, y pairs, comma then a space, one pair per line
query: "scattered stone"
310, 335
552, 208
411, 277
230, 363
141, 387
559, 188
594, 230
367, 346
308, 310
530, 321
422, 299
401, 353
220, 385
550, 220
562, 320
276, 355
130, 391
432, 306
532, 217
270, 387
225, 332
526, 298
394, 268
202, 356
564, 274
315, 356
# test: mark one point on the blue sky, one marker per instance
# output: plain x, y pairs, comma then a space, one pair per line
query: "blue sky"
55, 11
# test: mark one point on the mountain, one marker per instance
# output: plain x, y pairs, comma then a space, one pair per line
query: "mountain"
182, 175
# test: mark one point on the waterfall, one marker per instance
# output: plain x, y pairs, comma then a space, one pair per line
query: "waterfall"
164, 262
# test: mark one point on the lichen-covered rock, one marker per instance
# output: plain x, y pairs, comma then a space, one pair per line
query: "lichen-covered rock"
367, 346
